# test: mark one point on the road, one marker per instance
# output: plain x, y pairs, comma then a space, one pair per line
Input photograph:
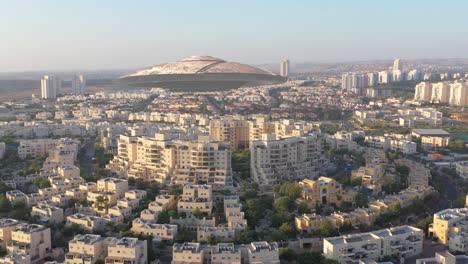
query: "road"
449, 191
87, 161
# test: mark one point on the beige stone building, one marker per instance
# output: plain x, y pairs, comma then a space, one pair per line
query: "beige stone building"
322, 191
87, 222
450, 223
167, 160
150, 227
263, 252
196, 197
275, 160
236, 132
48, 213
32, 240
402, 241
87, 248
127, 250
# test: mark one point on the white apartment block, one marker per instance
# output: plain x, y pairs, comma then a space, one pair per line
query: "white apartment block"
455, 94
275, 160
402, 241
127, 250
458, 94
440, 93
423, 92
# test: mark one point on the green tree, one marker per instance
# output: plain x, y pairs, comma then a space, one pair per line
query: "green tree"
283, 204
327, 229
303, 208
287, 230
42, 183
5, 205
287, 254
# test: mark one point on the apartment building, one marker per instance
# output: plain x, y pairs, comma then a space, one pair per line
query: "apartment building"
196, 253
226, 253
440, 93
371, 176
196, 197
31, 239
236, 132
432, 138
455, 93
444, 257
150, 227
35, 147
276, 160
220, 233
188, 252
450, 227
127, 250
402, 241
48, 213
263, 252
7, 225
87, 222
458, 94
87, 248
113, 185
166, 160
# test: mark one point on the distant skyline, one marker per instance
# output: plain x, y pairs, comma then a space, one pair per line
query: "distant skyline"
117, 34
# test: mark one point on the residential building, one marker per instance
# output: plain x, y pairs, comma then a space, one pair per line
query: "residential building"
450, 223
432, 138
50, 87
87, 248
78, 85
284, 71
87, 222
31, 239
150, 227
236, 132
263, 252
458, 94
127, 250
423, 92
188, 253
275, 160
48, 213
444, 257
402, 241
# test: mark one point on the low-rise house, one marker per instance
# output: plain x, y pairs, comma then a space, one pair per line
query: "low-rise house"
48, 213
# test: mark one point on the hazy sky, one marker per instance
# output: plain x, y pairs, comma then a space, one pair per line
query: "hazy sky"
110, 34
